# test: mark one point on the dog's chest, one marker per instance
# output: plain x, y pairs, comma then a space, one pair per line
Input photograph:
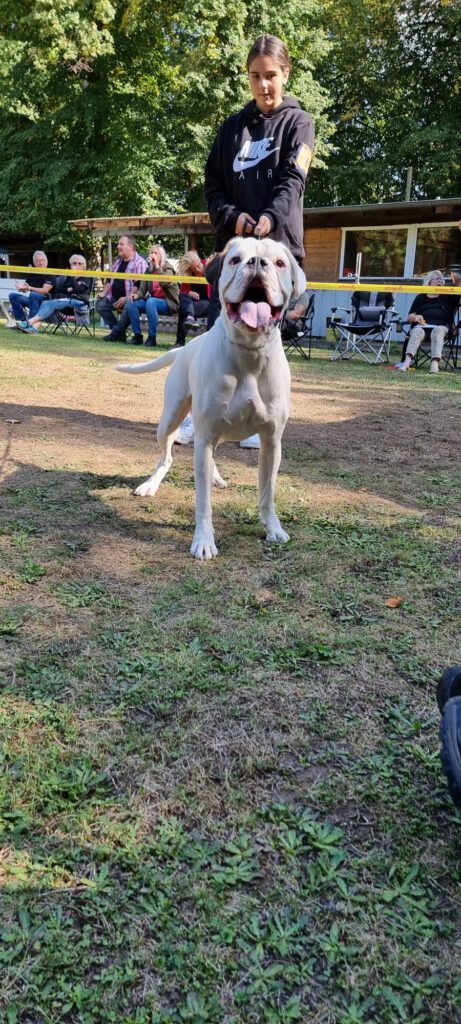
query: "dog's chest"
246, 403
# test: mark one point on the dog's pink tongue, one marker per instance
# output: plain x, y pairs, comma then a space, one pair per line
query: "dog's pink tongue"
255, 314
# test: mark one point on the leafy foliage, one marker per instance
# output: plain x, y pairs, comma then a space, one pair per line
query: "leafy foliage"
394, 73
110, 108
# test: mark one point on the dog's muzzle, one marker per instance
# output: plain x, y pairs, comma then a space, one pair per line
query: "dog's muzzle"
254, 309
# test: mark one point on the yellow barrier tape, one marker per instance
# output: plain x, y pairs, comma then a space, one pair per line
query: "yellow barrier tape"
108, 274
320, 286
384, 286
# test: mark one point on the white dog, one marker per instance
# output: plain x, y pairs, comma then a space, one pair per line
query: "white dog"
235, 378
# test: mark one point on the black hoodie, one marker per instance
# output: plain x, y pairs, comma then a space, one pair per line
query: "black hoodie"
74, 288
258, 165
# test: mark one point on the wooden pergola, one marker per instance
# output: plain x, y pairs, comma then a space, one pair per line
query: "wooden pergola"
190, 225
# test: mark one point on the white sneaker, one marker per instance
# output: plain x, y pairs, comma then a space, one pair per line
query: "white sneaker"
400, 366
434, 368
186, 431
251, 442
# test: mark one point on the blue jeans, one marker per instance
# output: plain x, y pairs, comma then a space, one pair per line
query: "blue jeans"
152, 307
20, 301
48, 307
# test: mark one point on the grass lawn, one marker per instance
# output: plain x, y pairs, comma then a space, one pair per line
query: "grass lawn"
221, 792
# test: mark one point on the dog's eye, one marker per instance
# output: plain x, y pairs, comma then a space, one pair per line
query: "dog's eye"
280, 263
235, 259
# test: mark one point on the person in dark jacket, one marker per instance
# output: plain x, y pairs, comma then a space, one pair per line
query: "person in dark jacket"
432, 314
256, 171
71, 293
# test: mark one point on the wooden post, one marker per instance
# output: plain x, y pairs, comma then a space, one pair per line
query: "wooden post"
358, 267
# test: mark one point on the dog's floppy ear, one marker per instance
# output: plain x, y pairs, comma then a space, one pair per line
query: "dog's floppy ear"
298, 277
220, 257
228, 246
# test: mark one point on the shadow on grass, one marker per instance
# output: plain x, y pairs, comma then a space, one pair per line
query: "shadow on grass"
397, 452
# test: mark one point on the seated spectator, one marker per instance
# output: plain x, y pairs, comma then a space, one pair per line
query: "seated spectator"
193, 301
434, 313
212, 274
153, 298
296, 308
71, 294
116, 293
31, 292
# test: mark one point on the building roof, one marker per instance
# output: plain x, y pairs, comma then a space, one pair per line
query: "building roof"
420, 211
440, 210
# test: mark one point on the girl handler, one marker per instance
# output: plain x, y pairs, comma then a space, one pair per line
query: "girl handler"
257, 167
256, 171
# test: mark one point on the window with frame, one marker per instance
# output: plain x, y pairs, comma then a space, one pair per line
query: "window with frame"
383, 252
437, 248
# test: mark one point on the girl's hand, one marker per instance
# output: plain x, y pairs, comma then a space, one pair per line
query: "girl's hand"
263, 227
245, 224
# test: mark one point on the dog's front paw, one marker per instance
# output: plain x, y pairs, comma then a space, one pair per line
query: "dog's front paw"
203, 546
275, 534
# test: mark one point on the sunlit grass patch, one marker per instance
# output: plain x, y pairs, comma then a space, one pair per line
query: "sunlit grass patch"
221, 797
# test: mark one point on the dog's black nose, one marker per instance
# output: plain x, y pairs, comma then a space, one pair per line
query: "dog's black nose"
258, 261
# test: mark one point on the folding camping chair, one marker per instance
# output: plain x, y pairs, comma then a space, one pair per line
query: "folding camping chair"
297, 334
71, 321
367, 330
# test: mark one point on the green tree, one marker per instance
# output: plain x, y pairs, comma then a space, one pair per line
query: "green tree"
394, 72
430, 54
211, 58
78, 100
109, 108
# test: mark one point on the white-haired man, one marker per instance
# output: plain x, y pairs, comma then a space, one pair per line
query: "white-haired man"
31, 292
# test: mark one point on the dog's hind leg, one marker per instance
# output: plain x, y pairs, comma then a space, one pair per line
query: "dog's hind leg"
166, 434
152, 484
218, 480
268, 467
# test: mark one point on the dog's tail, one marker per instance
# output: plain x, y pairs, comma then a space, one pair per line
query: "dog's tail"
153, 365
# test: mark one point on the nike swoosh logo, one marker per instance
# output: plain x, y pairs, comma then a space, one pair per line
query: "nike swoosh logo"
244, 164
